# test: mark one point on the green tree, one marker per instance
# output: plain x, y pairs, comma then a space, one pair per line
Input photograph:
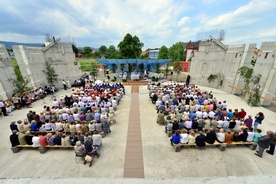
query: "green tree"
102, 50
130, 47
111, 52
176, 52
177, 68
21, 84
94, 69
163, 52
87, 51
50, 73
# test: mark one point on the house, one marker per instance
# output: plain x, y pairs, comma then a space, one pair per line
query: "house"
153, 53
190, 48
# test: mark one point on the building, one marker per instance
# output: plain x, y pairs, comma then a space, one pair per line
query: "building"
190, 49
153, 53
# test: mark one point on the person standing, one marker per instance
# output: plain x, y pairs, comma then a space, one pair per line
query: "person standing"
258, 120
64, 84
3, 108
264, 142
188, 80
272, 145
248, 121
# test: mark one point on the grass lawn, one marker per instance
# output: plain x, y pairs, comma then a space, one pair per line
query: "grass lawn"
14, 62
85, 64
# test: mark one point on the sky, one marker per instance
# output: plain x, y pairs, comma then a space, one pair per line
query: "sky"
156, 22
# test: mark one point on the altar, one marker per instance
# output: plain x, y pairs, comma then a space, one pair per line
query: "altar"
134, 76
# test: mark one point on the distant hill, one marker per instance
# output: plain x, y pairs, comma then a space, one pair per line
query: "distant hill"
10, 44
92, 48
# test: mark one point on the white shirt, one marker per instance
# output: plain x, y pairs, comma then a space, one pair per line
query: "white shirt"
220, 123
184, 138
2, 104
97, 139
188, 124
78, 127
198, 114
212, 114
35, 141
221, 136
56, 103
250, 136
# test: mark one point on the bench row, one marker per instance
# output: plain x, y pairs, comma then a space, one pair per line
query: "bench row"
42, 149
220, 146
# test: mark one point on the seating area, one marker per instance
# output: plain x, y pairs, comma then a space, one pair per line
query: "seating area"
192, 113
76, 117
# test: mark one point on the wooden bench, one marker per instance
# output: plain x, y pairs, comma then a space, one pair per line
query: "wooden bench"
18, 148
220, 146
41, 149
250, 145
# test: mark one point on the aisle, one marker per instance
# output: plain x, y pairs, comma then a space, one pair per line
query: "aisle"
134, 164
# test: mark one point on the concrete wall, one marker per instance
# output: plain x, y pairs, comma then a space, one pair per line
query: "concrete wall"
266, 66
31, 61
6, 72
212, 59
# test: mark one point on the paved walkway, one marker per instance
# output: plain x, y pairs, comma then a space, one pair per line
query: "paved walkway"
134, 165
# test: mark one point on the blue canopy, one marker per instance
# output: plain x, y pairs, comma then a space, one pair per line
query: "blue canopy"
148, 63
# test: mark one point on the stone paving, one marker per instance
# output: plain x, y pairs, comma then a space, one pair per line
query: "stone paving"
161, 164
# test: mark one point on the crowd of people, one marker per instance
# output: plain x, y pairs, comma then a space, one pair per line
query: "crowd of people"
80, 120
17, 102
197, 117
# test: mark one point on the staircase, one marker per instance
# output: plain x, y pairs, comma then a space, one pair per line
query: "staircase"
224, 47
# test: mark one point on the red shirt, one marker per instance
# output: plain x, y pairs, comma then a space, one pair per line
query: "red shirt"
242, 114
42, 141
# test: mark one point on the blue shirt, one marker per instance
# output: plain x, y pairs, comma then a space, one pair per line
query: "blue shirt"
230, 115
192, 116
33, 127
176, 139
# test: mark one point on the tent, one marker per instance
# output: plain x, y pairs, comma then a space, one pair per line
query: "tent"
148, 64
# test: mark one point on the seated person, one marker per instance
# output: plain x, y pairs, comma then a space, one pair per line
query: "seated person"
228, 137
184, 136
250, 135
79, 148
200, 140
14, 138
221, 136
243, 135
175, 139
29, 137
89, 148
211, 136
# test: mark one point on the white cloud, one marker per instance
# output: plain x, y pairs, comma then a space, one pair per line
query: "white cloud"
15, 37
241, 17
183, 21
188, 33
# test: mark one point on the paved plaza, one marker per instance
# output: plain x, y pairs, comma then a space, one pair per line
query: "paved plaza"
161, 164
